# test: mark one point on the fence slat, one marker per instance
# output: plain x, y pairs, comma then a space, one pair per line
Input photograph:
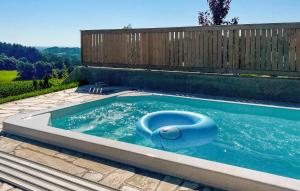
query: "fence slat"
263, 44
225, 49
298, 50
193, 49
285, 49
167, 50
252, 57
181, 49
268, 49
292, 50
242, 49
248, 50
190, 49
83, 48
280, 50
231, 50
274, 49
215, 49
257, 49
236, 55
156, 48
201, 62
176, 54
220, 49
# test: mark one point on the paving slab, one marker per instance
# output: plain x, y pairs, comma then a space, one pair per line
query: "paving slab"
169, 183
118, 177
49, 161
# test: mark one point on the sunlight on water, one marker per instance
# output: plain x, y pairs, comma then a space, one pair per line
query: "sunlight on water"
259, 138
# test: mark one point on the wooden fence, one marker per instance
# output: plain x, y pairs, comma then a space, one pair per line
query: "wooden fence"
272, 49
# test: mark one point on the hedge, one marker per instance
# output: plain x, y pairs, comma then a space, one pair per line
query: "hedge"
15, 88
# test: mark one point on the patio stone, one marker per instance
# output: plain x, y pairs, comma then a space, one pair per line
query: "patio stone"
169, 183
66, 157
5, 115
5, 187
39, 148
118, 177
99, 166
93, 176
8, 145
188, 186
2, 119
145, 180
49, 161
15, 189
128, 188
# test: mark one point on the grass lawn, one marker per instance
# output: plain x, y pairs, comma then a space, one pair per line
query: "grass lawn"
6, 76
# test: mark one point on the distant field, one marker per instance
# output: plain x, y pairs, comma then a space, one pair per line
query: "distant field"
7, 76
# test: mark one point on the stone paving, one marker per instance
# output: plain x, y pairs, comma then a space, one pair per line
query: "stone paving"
7, 187
104, 172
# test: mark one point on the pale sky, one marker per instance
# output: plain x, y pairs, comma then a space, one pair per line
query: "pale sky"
58, 22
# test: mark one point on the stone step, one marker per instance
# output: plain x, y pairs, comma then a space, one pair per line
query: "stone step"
32, 176
12, 180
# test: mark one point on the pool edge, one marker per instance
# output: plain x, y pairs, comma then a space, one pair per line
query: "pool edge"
208, 172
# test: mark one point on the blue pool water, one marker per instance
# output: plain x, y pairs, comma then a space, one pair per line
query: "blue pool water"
256, 137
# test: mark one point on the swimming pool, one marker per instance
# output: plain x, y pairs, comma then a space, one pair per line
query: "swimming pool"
256, 147
256, 137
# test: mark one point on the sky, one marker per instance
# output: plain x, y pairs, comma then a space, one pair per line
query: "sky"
58, 22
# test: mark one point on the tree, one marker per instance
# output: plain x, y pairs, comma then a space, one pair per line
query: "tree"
127, 26
55, 73
42, 69
25, 70
7, 63
218, 10
19, 51
65, 72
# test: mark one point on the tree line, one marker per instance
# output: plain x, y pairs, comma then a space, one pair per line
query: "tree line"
34, 64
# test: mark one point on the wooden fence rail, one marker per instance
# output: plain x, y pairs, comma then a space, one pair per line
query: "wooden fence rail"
262, 48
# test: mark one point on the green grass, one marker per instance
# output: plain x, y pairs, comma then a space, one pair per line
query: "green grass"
7, 76
39, 92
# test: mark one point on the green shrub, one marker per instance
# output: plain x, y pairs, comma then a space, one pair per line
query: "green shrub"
38, 92
46, 83
65, 72
15, 88
55, 81
55, 73
35, 84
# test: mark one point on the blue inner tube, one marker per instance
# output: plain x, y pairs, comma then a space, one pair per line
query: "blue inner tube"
177, 129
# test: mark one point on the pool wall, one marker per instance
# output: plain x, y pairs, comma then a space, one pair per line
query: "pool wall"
262, 88
35, 126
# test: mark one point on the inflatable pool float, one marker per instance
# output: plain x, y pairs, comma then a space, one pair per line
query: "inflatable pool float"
177, 129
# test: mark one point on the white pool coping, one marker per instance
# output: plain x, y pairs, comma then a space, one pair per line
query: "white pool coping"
220, 175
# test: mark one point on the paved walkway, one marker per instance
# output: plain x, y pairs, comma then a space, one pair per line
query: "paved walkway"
102, 171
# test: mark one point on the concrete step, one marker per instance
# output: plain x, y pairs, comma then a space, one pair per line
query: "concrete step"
28, 175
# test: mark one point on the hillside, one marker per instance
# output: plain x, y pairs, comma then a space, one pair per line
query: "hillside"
66, 51
18, 51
